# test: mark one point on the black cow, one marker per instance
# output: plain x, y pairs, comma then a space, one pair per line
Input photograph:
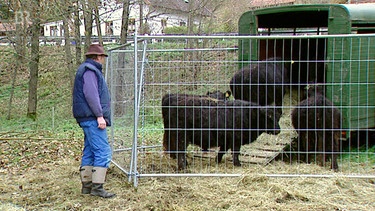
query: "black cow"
219, 95
263, 83
169, 101
318, 122
208, 122
307, 72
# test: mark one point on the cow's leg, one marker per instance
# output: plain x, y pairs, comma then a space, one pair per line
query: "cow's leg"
334, 165
181, 156
221, 142
220, 155
302, 146
180, 148
335, 149
320, 147
236, 153
171, 136
181, 161
310, 146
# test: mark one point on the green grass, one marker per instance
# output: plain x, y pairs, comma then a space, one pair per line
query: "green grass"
54, 94
360, 155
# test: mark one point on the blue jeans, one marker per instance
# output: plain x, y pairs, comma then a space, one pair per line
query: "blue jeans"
96, 150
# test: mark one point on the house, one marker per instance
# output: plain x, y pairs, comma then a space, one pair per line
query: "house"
267, 3
5, 28
157, 15
53, 29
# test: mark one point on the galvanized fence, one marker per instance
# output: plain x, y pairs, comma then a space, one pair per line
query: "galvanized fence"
141, 73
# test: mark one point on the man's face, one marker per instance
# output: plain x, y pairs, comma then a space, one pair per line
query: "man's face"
101, 59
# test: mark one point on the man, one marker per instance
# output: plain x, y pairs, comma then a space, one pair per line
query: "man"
91, 109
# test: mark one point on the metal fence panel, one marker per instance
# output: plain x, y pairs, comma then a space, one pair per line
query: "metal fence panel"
198, 64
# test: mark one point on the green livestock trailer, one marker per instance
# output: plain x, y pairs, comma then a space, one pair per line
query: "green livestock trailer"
340, 35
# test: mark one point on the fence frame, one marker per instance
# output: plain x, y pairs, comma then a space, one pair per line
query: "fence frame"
133, 173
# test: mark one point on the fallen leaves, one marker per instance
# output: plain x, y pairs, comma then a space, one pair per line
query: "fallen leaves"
25, 151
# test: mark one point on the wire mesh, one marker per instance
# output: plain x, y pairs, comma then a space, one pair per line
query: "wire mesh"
142, 73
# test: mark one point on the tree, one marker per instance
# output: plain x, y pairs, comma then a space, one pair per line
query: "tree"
77, 33
227, 14
88, 21
125, 20
19, 37
97, 21
200, 9
118, 73
67, 11
7, 13
34, 59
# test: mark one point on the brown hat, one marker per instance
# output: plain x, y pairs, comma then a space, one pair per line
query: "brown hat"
96, 49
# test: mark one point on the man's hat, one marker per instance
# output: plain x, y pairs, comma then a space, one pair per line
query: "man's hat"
96, 49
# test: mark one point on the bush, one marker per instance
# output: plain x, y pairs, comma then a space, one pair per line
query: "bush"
176, 30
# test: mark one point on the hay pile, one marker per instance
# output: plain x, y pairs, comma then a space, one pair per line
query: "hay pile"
57, 187
50, 181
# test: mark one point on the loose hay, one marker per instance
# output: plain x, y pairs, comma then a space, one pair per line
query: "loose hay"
56, 186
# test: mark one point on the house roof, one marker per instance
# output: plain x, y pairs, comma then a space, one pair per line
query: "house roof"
267, 3
5, 27
179, 5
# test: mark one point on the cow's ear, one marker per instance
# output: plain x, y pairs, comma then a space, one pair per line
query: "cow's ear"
228, 93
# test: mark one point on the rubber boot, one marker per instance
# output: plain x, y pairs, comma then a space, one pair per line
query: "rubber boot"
86, 179
98, 179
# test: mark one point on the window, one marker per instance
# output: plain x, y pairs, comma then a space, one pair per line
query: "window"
163, 25
61, 30
109, 28
131, 26
163, 22
53, 30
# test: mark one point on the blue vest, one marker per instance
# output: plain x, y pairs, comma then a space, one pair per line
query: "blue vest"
81, 109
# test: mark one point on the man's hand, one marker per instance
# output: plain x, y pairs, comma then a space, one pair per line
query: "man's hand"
101, 123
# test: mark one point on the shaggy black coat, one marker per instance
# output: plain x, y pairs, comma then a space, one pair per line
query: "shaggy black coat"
318, 123
263, 83
208, 122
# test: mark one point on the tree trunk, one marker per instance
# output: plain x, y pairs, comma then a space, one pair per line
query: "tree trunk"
98, 26
68, 52
125, 21
118, 73
34, 61
77, 35
141, 29
20, 34
190, 22
88, 20
12, 90
18, 39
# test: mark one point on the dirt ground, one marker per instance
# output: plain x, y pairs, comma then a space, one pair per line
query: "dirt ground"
56, 186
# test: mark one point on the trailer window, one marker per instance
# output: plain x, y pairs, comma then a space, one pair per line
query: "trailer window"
305, 19
363, 28
293, 23
293, 31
